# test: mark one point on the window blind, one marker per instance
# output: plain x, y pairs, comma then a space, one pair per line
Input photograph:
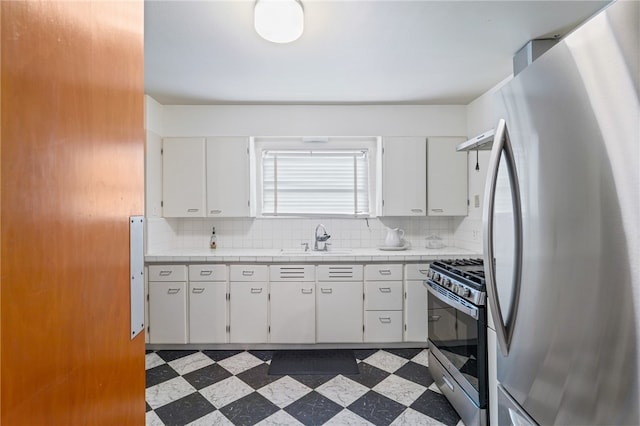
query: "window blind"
305, 182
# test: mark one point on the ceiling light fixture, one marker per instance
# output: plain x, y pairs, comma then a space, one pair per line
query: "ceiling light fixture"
279, 21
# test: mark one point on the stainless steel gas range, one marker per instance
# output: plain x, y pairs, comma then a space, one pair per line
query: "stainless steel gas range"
458, 335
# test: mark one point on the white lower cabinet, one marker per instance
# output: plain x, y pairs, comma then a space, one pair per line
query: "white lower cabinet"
339, 304
207, 304
383, 303
292, 304
415, 303
168, 304
339, 312
248, 304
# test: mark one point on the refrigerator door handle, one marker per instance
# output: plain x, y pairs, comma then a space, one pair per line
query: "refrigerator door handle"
502, 145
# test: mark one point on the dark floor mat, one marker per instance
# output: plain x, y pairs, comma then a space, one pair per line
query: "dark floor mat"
317, 361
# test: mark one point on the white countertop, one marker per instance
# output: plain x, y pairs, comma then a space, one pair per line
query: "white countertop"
226, 255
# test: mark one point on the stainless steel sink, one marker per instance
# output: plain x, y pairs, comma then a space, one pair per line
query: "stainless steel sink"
301, 252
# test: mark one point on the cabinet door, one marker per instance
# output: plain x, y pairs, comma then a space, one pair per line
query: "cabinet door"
248, 312
183, 177
415, 314
228, 177
207, 312
339, 312
168, 312
404, 176
293, 312
446, 177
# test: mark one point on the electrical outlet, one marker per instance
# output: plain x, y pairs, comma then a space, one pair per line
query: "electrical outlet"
474, 234
476, 200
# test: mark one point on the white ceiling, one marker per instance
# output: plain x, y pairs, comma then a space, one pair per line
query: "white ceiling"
351, 52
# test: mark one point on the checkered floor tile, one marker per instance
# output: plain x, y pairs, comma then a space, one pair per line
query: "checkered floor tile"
201, 388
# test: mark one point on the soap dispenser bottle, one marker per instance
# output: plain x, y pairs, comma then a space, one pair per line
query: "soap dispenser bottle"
213, 242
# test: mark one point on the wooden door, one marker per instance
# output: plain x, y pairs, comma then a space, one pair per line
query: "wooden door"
71, 173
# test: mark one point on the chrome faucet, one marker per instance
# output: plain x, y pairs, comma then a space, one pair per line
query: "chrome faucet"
322, 239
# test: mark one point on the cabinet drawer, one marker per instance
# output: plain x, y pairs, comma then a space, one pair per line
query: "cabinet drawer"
416, 271
383, 296
383, 326
207, 272
339, 272
167, 273
248, 273
292, 273
383, 272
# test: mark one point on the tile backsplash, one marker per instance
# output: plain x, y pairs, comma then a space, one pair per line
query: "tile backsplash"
193, 233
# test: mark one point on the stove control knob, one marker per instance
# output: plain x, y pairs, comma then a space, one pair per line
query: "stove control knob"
447, 283
466, 292
436, 277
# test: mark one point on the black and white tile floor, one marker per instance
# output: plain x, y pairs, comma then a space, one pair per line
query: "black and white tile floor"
394, 387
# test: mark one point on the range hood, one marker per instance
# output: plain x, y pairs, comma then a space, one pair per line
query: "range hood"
482, 142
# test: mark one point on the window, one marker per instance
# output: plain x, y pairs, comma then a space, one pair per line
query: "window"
296, 178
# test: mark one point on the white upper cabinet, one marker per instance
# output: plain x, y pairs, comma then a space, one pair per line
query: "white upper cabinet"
183, 177
446, 177
228, 177
404, 176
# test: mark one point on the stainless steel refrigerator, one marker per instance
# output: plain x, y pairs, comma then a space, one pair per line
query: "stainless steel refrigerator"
562, 230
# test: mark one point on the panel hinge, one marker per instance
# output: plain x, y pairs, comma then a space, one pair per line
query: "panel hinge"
161, 151
363, 328
228, 329
147, 297
269, 296
468, 202
405, 327
161, 203
228, 296
269, 329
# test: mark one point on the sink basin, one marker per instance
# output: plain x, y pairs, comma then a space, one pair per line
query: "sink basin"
301, 252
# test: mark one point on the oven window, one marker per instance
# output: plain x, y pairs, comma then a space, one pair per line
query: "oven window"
455, 334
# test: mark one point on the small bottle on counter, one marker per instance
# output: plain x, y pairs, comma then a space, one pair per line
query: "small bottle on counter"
213, 242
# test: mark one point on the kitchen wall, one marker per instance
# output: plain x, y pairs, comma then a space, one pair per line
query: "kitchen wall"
313, 120
467, 232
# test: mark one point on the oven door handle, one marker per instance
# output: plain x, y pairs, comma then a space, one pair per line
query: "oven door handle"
472, 312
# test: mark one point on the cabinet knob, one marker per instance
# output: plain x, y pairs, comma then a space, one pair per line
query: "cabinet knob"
193, 210
326, 290
173, 291
215, 211
385, 289
197, 290
256, 290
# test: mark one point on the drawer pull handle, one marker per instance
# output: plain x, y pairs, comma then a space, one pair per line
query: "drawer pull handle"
416, 210
437, 210
256, 290
206, 273
326, 290
385, 271
247, 273
193, 210
423, 271
198, 290
215, 211
385, 320
165, 273
307, 291
173, 291
434, 318
385, 289
447, 382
